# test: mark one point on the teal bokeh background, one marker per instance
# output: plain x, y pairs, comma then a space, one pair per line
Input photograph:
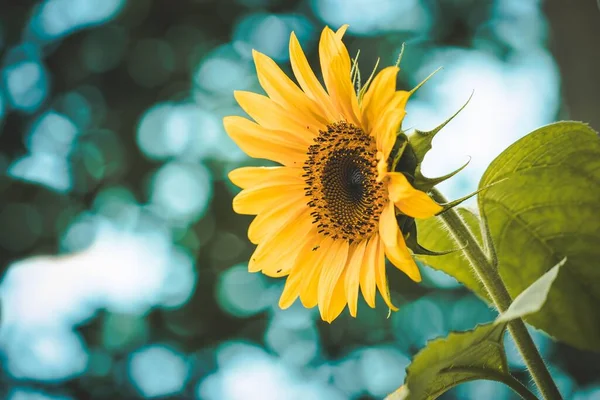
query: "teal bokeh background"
124, 267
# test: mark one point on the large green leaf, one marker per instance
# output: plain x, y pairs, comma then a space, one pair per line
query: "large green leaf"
548, 208
461, 357
432, 235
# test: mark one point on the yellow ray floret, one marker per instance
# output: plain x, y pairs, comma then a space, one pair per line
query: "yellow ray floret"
325, 218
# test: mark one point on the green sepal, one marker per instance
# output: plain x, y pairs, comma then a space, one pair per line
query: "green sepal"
425, 184
355, 73
420, 141
363, 89
454, 203
403, 158
408, 227
399, 60
422, 251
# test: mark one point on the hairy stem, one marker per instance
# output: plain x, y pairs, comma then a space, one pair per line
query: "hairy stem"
489, 276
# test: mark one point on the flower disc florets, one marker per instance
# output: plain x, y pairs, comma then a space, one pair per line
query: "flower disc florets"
341, 183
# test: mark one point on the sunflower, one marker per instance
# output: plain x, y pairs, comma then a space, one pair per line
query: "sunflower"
326, 217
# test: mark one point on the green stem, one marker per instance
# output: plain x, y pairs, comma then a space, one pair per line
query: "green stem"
489, 276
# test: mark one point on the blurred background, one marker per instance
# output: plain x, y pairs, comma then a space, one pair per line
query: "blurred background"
122, 266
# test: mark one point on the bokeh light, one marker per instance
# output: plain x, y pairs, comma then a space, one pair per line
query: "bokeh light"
240, 293
181, 191
269, 33
28, 394
24, 78
158, 371
56, 18
373, 18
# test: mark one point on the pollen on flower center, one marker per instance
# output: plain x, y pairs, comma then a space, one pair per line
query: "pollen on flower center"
341, 183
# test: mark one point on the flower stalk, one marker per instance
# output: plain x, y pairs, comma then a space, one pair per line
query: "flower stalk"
489, 276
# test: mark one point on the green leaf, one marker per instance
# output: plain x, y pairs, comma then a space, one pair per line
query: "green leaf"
533, 298
548, 208
461, 357
433, 236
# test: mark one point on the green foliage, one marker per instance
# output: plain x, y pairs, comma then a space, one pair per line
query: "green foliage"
459, 358
472, 355
548, 208
541, 207
432, 236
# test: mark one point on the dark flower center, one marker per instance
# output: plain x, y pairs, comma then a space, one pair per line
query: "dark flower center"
342, 187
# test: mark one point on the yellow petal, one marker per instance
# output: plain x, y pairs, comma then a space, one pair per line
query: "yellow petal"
381, 276
338, 299
254, 200
311, 260
403, 260
352, 279
410, 201
378, 95
335, 65
334, 264
278, 266
284, 92
367, 273
307, 269
290, 290
395, 246
277, 252
386, 128
272, 116
246, 177
307, 79
272, 219
382, 166
388, 227
259, 142
339, 34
